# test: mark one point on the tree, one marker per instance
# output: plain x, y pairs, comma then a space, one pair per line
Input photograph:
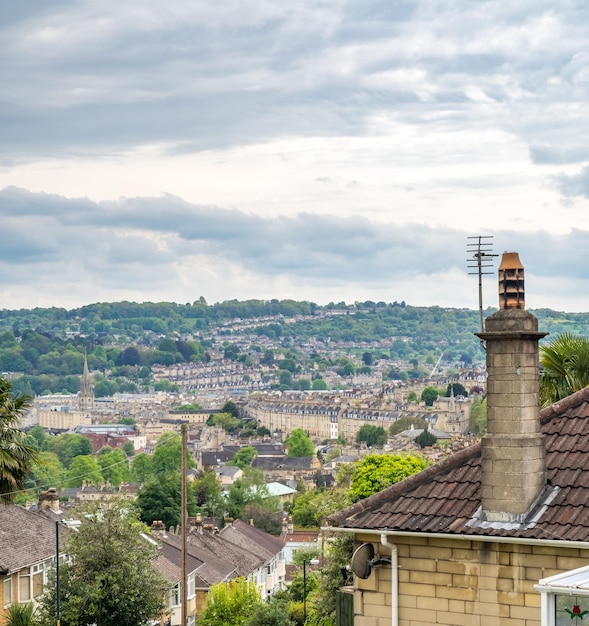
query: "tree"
262, 518
230, 603
167, 457
141, 469
371, 435
226, 421
477, 420
114, 467
377, 471
47, 472
272, 613
244, 456
405, 423
16, 456
429, 395
129, 448
84, 468
111, 579
161, 499
322, 605
231, 408
565, 367
207, 491
299, 444
425, 439
250, 489
458, 388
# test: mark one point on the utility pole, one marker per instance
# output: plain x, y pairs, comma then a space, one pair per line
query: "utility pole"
184, 522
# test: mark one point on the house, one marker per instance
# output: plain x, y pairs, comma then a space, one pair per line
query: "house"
479, 538
28, 541
270, 571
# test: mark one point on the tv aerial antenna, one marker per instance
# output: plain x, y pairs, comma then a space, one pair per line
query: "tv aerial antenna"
481, 249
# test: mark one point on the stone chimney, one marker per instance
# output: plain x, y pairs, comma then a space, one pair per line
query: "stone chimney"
513, 450
49, 499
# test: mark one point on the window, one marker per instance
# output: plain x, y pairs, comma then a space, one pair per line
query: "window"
7, 586
565, 598
24, 585
175, 595
191, 620
37, 579
191, 590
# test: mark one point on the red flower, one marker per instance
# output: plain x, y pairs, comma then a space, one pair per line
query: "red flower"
576, 612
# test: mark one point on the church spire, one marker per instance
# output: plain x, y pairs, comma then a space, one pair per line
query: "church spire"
86, 395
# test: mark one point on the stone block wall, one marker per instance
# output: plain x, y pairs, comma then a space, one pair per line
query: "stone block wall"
461, 582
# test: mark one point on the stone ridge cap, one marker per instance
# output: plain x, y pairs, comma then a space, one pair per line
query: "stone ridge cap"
564, 405
411, 482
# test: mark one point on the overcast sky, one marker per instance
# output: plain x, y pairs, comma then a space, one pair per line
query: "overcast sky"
321, 150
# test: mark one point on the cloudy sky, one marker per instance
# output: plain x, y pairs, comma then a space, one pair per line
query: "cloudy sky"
320, 150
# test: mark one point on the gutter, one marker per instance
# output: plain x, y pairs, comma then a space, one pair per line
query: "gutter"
554, 543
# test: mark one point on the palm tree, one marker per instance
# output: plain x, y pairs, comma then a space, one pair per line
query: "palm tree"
565, 367
16, 456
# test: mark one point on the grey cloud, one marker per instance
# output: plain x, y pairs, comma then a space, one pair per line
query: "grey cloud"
141, 241
573, 185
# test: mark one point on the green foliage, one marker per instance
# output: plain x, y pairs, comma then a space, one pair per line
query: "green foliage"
322, 604
21, 615
405, 423
565, 367
230, 604
459, 390
207, 491
84, 468
262, 518
310, 509
16, 456
114, 467
272, 613
250, 489
141, 468
68, 446
377, 471
425, 439
429, 395
299, 444
319, 385
167, 457
46, 472
305, 554
244, 456
226, 421
477, 421
371, 435
160, 498
111, 579
231, 408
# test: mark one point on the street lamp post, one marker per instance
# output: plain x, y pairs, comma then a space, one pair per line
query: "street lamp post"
57, 608
312, 562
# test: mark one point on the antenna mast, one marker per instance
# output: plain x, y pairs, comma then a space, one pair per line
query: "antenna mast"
482, 259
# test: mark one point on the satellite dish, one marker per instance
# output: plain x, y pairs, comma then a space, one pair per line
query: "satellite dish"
361, 560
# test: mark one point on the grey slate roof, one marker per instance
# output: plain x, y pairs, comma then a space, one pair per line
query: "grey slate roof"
26, 537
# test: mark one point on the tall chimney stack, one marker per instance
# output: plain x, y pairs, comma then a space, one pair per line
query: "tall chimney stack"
513, 450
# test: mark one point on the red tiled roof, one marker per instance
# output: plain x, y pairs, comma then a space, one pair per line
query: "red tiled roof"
445, 498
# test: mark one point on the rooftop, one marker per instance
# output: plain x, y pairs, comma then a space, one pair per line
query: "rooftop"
446, 498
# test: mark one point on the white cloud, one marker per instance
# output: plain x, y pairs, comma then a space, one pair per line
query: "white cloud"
299, 149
